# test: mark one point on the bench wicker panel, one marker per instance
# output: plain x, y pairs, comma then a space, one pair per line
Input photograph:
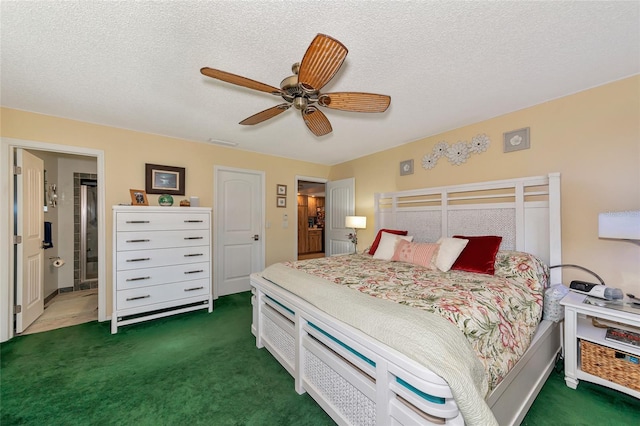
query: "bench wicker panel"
347, 399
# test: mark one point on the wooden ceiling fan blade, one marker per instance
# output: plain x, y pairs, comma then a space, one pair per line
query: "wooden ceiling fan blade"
316, 121
355, 101
239, 81
321, 61
265, 115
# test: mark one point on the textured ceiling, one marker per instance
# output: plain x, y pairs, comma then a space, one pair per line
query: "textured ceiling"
135, 64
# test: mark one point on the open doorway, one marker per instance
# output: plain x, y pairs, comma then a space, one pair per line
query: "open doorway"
58, 195
311, 218
70, 264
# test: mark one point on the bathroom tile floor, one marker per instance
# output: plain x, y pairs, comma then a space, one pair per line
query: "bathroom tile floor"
67, 309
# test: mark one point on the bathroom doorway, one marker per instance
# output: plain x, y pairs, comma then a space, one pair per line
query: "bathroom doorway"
58, 276
71, 284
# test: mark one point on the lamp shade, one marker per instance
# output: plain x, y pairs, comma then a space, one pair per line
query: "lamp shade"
622, 225
357, 222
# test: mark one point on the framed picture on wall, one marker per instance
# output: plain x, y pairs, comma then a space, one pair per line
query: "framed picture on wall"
281, 201
516, 140
282, 189
138, 197
406, 167
164, 179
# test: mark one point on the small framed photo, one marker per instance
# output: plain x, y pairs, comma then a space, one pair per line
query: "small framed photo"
138, 197
282, 189
164, 179
281, 201
516, 140
406, 167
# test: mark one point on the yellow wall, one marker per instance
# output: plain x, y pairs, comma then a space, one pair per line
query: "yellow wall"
592, 138
126, 153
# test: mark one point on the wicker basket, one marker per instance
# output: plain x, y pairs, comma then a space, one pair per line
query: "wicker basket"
601, 361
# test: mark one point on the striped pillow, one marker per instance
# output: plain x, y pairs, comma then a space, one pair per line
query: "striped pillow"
416, 253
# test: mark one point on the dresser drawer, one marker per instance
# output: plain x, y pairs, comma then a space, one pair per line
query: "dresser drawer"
161, 239
174, 293
145, 277
161, 257
156, 221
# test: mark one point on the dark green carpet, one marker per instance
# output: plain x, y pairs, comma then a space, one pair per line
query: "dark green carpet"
589, 404
194, 368
201, 368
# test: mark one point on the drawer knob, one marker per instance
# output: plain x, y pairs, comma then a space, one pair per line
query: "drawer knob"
193, 288
138, 279
137, 221
138, 297
193, 238
193, 221
194, 272
193, 254
138, 241
141, 259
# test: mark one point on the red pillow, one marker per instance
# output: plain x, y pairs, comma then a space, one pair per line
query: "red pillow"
376, 242
479, 255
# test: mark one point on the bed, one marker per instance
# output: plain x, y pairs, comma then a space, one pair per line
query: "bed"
385, 360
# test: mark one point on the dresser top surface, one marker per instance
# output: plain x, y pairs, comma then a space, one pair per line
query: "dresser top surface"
148, 209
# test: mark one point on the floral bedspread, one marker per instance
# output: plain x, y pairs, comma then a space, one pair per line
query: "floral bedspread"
498, 314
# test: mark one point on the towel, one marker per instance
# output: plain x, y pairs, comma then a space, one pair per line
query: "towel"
48, 240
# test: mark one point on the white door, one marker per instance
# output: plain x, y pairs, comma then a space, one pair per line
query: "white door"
30, 225
339, 203
238, 217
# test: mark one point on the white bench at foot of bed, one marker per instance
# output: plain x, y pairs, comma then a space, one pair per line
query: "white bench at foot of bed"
359, 381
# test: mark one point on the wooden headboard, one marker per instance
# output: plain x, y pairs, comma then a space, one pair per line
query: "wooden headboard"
525, 212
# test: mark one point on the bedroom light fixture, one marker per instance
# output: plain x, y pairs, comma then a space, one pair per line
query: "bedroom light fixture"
355, 222
620, 225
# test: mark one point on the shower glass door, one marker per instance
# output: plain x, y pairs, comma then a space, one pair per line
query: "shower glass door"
88, 230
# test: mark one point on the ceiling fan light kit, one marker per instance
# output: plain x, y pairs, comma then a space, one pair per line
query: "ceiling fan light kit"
320, 63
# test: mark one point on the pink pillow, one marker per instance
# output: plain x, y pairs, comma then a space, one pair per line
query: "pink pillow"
416, 253
376, 242
479, 255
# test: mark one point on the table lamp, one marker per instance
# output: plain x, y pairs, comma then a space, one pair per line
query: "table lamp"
355, 222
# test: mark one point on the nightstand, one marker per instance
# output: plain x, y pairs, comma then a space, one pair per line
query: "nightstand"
577, 327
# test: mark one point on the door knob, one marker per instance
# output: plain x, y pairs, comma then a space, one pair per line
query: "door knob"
256, 237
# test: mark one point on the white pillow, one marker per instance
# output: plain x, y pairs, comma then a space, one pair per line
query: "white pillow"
387, 245
450, 249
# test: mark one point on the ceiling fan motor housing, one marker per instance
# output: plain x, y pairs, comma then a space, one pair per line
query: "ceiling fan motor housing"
296, 93
289, 86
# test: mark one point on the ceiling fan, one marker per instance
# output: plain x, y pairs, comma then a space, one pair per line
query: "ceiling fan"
323, 58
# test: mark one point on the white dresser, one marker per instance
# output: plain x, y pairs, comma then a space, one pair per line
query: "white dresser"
161, 262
